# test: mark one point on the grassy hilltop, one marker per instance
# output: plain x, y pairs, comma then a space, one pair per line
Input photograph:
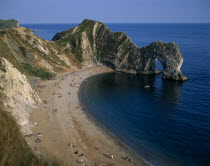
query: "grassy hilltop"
7, 24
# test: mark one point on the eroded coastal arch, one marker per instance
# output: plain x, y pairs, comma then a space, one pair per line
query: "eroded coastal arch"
169, 56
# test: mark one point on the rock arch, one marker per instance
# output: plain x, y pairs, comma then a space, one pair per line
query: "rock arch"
170, 57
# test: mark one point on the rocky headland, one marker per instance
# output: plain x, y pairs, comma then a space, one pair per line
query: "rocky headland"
94, 43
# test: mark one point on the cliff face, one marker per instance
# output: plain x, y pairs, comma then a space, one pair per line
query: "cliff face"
17, 95
5, 24
170, 57
93, 43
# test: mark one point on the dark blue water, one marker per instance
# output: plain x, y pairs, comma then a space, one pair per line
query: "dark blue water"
169, 123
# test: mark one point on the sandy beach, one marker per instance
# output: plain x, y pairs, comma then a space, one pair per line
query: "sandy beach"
66, 129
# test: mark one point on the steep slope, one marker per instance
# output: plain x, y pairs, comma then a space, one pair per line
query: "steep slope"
32, 55
93, 43
17, 95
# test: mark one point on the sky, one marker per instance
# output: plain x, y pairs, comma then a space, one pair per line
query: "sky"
107, 11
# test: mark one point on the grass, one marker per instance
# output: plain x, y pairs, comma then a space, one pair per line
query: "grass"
4, 24
27, 68
34, 71
6, 53
2, 33
13, 148
25, 48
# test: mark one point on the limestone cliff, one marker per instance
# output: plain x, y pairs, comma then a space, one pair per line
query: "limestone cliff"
170, 57
16, 94
93, 43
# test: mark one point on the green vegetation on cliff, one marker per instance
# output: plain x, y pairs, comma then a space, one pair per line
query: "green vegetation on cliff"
20, 46
29, 69
7, 24
6, 53
37, 72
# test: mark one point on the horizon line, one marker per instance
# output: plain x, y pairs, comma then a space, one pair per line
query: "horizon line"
127, 23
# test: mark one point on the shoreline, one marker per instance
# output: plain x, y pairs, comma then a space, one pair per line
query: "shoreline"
73, 125
136, 158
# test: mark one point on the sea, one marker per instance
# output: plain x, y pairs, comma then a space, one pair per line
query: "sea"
167, 124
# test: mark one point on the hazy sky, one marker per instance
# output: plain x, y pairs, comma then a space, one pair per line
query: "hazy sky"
108, 11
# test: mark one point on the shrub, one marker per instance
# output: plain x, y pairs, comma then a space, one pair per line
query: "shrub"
34, 71
23, 50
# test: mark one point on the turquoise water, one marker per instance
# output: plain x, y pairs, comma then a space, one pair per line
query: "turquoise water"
169, 123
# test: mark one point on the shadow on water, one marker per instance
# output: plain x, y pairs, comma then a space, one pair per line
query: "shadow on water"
167, 90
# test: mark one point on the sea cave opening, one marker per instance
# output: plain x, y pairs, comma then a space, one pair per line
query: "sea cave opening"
159, 66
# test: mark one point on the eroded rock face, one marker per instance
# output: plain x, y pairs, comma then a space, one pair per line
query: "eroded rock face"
17, 94
94, 43
170, 57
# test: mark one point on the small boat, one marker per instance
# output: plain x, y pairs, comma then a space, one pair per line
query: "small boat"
146, 86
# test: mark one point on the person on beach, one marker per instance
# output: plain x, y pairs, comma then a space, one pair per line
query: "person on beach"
128, 158
111, 156
80, 161
38, 140
70, 145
